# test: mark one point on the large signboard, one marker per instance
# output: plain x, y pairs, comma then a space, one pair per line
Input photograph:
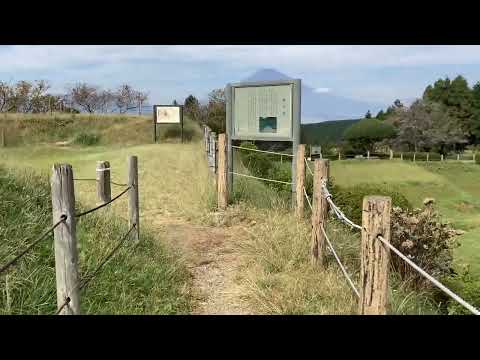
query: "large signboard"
167, 114
263, 111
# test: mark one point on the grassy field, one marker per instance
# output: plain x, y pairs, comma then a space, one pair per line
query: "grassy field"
454, 186
143, 279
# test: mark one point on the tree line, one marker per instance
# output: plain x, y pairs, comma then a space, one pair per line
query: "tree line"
34, 97
446, 119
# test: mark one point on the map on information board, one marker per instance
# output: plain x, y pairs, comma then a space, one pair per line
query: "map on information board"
263, 111
167, 114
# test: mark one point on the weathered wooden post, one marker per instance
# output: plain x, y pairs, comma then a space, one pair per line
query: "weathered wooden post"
428, 156
222, 178
474, 155
339, 156
2, 138
300, 183
133, 202
414, 155
65, 239
368, 154
212, 151
458, 156
320, 210
391, 154
104, 193
441, 157
374, 255
401, 156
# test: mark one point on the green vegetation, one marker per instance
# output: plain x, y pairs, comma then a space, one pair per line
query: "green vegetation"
327, 132
83, 129
146, 279
363, 135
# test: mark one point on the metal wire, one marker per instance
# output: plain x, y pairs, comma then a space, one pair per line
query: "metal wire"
118, 184
82, 284
85, 179
259, 178
12, 262
349, 280
111, 182
429, 277
101, 206
262, 151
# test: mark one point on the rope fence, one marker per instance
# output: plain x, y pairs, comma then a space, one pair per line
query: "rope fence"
103, 205
260, 178
64, 232
83, 284
32, 245
262, 151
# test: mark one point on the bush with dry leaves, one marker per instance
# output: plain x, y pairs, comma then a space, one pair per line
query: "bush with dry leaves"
421, 235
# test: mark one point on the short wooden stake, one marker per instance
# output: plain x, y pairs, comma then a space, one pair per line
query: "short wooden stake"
474, 154
133, 202
401, 156
458, 157
320, 210
391, 155
65, 239
222, 178
374, 255
428, 156
339, 156
104, 193
441, 157
2, 138
414, 155
368, 155
300, 183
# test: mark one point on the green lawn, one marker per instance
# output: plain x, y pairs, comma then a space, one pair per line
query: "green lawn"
454, 186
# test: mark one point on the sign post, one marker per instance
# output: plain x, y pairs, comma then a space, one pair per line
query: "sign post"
167, 114
264, 111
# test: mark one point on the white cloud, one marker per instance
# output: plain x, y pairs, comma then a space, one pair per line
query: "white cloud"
322, 90
288, 57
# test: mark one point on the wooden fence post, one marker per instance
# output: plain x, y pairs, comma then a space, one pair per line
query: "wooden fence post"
368, 154
458, 157
104, 193
133, 202
401, 156
65, 239
300, 183
441, 157
212, 151
374, 255
428, 156
222, 178
414, 156
320, 210
339, 156
391, 154
2, 138
474, 154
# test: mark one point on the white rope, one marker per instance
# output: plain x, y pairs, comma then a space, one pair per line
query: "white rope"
262, 151
259, 178
100, 170
349, 280
308, 167
429, 277
340, 215
308, 199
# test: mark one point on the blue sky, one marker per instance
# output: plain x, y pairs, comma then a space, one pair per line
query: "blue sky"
370, 73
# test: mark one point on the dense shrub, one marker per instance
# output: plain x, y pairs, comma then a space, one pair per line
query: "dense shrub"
423, 237
468, 287
350, 199
87, 139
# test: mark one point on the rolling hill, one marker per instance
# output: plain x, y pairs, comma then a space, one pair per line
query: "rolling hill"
325, 132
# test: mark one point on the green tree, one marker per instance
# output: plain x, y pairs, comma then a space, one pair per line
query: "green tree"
364, 134
191, 107
380, 116
368, 115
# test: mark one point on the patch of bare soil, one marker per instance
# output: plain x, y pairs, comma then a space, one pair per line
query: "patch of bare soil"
213, 263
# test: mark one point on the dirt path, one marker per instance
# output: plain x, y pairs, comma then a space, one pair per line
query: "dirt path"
213, 263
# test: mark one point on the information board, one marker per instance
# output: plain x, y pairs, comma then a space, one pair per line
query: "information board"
263, 111
167, 114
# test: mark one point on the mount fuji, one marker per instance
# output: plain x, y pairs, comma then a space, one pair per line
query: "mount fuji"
318, 106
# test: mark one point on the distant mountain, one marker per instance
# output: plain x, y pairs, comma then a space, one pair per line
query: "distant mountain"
318, 107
